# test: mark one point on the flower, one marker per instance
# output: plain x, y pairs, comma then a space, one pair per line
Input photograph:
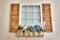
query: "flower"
25, 27
32, 28
38, 27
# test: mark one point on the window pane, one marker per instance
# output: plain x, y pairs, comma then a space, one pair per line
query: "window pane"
30, 15
23, 21
37, 7
24, 8
23, 15
37, 21
30, 8
37, 14
30, 21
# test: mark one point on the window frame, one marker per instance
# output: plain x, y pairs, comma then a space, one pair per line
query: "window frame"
30, 4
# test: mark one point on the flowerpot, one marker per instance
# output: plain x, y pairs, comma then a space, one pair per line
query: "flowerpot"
18, 33
30, 34
41, 34
36, 34
21, 33
26, 34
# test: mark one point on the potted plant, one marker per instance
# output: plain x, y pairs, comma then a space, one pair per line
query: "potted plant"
38, 30
20, 30
37, 27
30, 31
41, 33
26, 30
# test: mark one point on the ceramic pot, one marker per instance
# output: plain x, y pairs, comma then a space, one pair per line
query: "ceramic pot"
21, 33
18, 33
30, 34
41, 34
35, 33
26, 34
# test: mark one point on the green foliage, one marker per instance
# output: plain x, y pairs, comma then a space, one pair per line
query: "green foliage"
19, 27
41, 30
29, 28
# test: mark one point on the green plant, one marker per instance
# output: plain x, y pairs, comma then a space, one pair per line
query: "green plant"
19, 27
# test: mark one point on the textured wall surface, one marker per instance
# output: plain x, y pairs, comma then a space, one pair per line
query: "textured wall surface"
4, 20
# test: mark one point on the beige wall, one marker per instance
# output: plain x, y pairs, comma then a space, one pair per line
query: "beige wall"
5, 12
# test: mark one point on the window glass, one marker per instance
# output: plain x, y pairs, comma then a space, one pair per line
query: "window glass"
30, 14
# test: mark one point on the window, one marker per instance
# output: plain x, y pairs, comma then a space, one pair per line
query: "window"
30, 15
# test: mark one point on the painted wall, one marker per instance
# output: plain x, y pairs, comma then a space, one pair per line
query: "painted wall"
4, 19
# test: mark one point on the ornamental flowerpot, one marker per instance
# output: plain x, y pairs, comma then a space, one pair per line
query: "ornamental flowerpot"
30, 34
26, 34
21, 33
35, 33
41, 34
18, 33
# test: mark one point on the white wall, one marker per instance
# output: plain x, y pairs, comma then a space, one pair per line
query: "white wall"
4, 19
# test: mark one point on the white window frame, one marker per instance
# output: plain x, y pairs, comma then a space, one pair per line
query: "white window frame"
30, 4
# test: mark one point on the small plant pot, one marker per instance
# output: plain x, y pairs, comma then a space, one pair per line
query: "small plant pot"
35, 34
18, 33
30, 34
41, 34
26, 34
21, 33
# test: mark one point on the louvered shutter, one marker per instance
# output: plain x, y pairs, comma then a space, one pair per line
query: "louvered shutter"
14, 17
46, 11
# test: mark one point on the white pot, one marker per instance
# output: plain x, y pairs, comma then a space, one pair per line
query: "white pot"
35, 33
30, 34
41, 34
21, 33
26, 34
18, 33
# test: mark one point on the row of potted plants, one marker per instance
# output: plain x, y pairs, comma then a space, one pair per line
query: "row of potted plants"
29, 31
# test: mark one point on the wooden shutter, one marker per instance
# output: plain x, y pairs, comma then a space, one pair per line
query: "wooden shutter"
14, 17
46, 11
